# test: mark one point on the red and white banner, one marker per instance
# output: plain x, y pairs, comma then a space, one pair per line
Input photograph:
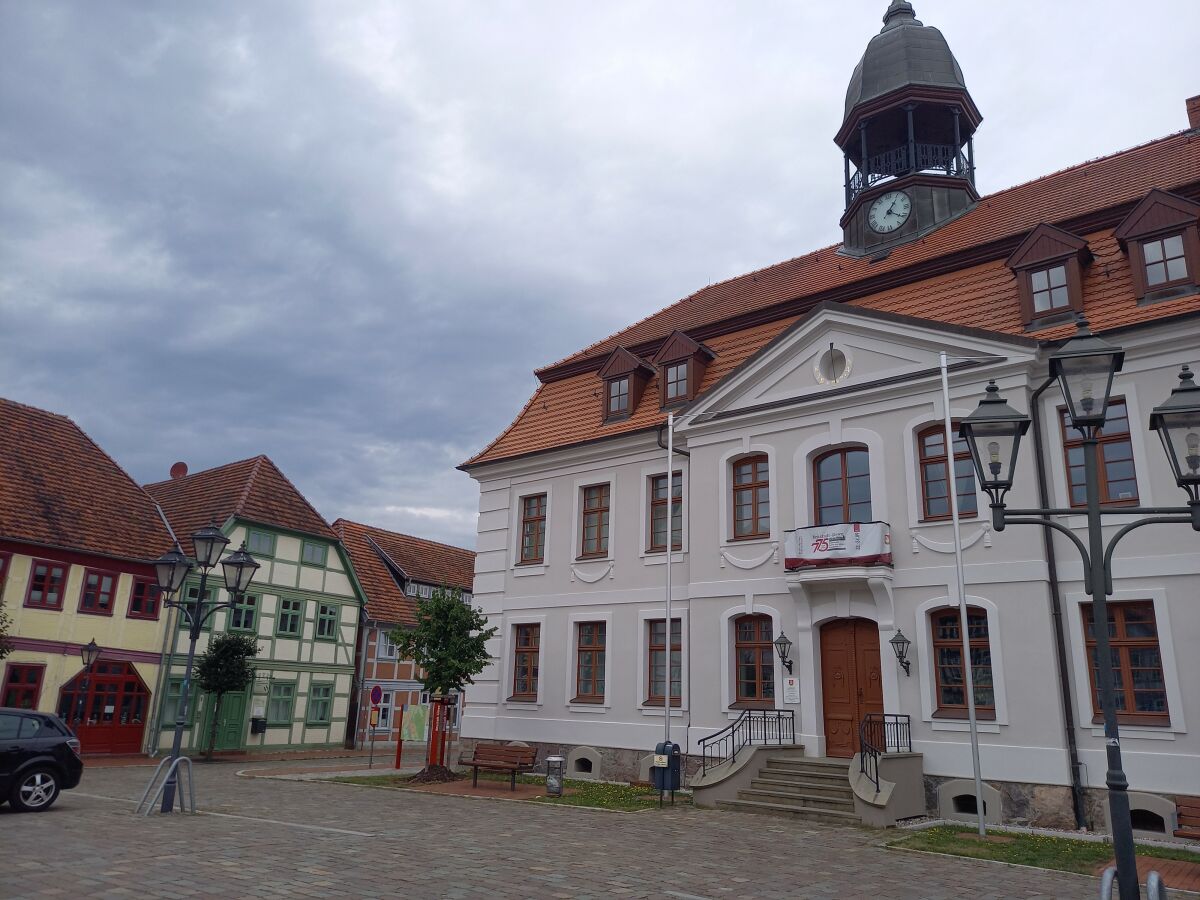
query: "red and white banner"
851, 544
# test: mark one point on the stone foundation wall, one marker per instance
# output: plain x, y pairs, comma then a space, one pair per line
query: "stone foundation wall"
1037, 805
615, 763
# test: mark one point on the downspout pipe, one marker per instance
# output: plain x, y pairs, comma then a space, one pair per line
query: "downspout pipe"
1056, 613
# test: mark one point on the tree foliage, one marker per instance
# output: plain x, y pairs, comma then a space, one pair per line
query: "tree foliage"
224, 668
448, 643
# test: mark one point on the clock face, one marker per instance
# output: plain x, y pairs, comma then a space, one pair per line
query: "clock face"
889, 212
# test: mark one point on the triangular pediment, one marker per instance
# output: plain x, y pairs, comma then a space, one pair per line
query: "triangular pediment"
1044, 243
679, 346
1157, 211
622, 362
838, 350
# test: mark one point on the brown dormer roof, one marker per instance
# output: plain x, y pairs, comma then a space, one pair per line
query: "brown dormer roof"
955, 275
59, 489
254, 490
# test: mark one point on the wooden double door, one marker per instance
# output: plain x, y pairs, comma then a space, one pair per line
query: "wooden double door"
851, 681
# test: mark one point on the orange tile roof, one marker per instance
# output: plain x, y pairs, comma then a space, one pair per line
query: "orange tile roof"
59, 489
250, 489
946, 285
429, 562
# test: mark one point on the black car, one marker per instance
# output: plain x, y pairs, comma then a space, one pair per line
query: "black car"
39, 757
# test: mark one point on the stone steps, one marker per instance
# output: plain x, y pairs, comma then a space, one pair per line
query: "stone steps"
814, 789
826, 816
799, 785
789, 798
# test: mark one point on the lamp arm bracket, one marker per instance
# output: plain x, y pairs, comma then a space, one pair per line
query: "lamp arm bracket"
1116, 539
1062, 529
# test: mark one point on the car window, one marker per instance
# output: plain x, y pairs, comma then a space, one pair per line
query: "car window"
9, 726
30, 728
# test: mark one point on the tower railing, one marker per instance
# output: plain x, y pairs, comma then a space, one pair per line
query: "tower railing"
945, 159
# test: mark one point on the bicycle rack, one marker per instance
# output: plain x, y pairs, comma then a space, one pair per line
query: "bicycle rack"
1154, 885
176, 770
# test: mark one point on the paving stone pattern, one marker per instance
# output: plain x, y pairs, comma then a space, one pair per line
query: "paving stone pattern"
421, 845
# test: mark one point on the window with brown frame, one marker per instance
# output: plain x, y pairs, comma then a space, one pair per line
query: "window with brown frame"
533, 529
751, 498
1166, 262
97, 596
657, 542
948, 664
1161, 234
676, 379
618, 397
1139, 685
144, 599
525, 662
46, 582
843, 486
595, 521
935, 493
589, 662
754, 653
656, 662
22, 686
1049, 290
1118, 480
1048, 266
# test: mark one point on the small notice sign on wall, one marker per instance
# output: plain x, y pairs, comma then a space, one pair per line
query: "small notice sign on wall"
791, 689
660, 760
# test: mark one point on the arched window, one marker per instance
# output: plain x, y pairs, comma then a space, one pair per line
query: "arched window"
751, 497
843, 486
948, 663
755, 660
935, 495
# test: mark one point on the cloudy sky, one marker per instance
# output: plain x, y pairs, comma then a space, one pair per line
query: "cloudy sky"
344, 233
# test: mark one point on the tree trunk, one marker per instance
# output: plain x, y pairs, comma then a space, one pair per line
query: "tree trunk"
212, 731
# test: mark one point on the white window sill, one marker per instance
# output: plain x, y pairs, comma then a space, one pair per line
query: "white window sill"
522, 704
1165, 733
676, 712
963, 521
595, 708
727, 544
660, 559
523, 571
963, 726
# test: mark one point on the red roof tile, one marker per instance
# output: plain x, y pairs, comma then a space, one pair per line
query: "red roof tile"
59, 489
251, 489
566, 409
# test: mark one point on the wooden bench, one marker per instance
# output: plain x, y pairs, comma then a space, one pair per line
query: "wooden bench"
499, 758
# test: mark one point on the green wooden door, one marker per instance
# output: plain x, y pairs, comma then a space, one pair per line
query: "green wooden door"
231, 724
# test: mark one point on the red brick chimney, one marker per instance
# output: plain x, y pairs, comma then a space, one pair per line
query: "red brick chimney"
1193, 108
179, 470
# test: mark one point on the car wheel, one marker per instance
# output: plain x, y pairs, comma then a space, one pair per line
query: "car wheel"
35, 791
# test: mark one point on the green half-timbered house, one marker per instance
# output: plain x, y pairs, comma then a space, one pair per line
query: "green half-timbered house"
303, 605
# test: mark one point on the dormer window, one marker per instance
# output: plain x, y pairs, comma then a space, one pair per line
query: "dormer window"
1162, 237
1049, 270
681, 362
677, 382
625, 376
618, 397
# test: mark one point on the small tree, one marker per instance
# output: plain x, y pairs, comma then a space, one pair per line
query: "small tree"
224, 668
448, 644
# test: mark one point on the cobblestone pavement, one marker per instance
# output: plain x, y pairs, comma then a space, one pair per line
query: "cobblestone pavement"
262, 837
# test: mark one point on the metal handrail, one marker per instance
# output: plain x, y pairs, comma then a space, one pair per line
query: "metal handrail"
753, 726
878, 734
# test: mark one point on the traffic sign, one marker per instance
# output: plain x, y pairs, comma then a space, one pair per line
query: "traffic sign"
374, 716
376, 695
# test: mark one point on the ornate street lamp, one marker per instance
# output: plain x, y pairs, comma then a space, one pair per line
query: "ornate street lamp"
239, 568
784, 648
1177, 422
209, 542
900, 645
1085, 367
171, 569
993, 434
88, 653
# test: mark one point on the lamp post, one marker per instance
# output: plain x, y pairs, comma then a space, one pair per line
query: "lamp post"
1084, 368
900, 645
784, 648
172, 569
89, 653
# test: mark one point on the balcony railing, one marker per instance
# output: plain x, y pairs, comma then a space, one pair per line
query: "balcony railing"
945, 159
830, 546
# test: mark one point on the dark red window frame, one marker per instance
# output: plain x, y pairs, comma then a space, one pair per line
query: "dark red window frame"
931, 450
44, 583
618, 397
525, 661
659, 518
751, 497
93, 607
846, 509
19, 686
144, 599
657, 659
1115, 450
754, 660
1137, 662
1163, 259
594, 521
533, 529
590, 639
945, 627
675, 381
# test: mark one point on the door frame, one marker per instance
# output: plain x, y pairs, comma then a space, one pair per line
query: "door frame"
888, 684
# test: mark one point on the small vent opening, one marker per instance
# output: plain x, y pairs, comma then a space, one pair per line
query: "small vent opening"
584, 765
965, 803
1144, 820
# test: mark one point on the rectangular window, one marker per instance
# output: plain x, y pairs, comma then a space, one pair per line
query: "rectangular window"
618, 397
755, 655
589, 662
658, 513
313, 554
170, 710
260, 543
1118, 481
327, 620
1139, 685
291, 617
385, 713
320, 704
1165, 261
935, 489
751, 498
190, 593
385, 649
595, 521
281, 700
1049, 289
525, 662
97, 596
842, 479
144, 599
22, 686
676, 379
657, 662
243, 616
533, 529
948, 664
46, 582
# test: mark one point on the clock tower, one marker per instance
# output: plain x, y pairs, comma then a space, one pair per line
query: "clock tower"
907, 137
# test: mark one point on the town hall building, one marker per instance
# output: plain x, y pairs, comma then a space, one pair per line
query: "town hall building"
808, 395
